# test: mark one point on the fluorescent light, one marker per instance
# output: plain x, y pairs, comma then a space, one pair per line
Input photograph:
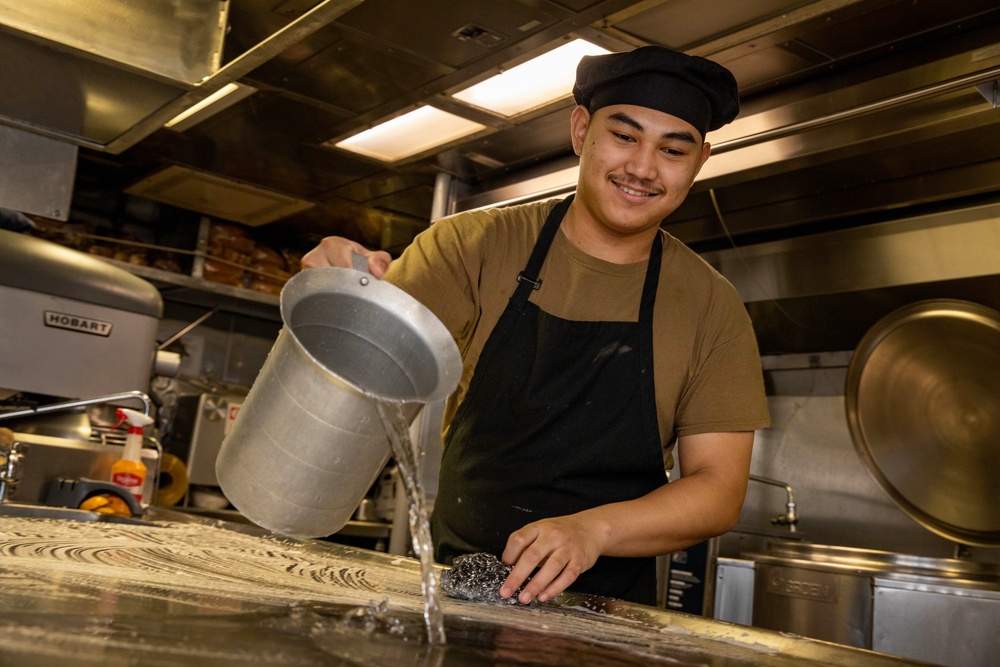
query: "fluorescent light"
221, 99
410, 134
533, 84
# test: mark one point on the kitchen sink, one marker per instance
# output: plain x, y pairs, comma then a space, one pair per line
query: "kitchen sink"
64, 513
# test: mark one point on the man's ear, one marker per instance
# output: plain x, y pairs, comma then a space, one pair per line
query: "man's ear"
579, 121
706, 151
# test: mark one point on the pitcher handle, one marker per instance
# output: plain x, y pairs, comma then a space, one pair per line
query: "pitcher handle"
360, 262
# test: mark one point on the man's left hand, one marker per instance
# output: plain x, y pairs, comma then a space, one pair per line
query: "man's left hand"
559, 549
703, 502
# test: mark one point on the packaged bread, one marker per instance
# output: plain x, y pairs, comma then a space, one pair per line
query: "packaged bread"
229, 238
223, 272
266, 286
266, 258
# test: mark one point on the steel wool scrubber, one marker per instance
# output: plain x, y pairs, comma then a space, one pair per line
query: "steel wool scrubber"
477, 577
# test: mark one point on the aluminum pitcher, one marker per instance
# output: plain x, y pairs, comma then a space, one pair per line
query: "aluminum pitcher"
308, 442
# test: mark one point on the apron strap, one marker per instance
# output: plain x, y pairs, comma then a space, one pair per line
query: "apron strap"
649, 416
527, 280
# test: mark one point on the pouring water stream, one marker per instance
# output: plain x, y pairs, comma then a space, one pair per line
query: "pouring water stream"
408, 462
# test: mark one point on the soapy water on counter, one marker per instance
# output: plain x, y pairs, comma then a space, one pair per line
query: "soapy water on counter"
198, 592
193, 592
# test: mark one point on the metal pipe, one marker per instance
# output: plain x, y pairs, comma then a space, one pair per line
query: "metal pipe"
966, 81
442, 202
399, 532
188, 328
69, 405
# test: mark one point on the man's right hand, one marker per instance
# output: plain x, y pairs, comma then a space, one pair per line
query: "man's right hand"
338, 251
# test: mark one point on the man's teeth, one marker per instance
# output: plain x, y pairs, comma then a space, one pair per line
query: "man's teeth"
636, 193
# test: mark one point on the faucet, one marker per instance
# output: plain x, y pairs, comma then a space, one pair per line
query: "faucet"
57, 407
9, 469
12, 454
789, 518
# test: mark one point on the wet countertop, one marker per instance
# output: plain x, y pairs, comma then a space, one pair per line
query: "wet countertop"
175, 589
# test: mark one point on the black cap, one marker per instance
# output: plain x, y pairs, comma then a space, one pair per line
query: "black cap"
692, 88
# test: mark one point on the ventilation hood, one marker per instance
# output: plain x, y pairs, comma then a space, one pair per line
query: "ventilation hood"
853, 111
106, 66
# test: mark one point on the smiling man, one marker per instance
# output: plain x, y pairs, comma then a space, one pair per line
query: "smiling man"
594, 345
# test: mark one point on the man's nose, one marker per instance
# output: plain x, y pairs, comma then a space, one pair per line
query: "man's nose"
642, 164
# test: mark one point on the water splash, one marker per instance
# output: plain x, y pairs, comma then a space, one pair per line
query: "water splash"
373, 620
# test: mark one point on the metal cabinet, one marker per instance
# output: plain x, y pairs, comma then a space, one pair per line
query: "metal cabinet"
938, 623
937, 610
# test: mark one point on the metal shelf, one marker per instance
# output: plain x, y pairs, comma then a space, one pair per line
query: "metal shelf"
190, 290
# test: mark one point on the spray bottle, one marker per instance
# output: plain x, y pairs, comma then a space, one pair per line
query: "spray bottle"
130, 471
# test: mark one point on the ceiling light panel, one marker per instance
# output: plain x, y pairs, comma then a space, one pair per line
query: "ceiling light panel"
413, 133
532, 84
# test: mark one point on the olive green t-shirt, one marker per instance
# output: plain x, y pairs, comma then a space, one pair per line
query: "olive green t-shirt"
708, 375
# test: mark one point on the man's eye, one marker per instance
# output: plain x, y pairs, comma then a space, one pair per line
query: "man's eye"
622, 137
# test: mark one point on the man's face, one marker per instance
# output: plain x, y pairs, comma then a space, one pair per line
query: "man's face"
636, 165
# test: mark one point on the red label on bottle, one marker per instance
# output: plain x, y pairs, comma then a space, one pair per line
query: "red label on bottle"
130, 481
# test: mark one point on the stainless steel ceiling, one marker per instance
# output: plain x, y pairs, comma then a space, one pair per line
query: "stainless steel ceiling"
853, 110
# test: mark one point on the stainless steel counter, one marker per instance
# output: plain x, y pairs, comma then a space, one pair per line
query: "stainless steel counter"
181, 590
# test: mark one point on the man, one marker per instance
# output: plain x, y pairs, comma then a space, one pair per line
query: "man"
592, 342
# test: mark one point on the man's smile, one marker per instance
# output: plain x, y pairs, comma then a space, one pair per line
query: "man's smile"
644, 192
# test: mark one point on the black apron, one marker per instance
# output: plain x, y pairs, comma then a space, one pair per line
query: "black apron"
560, 417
